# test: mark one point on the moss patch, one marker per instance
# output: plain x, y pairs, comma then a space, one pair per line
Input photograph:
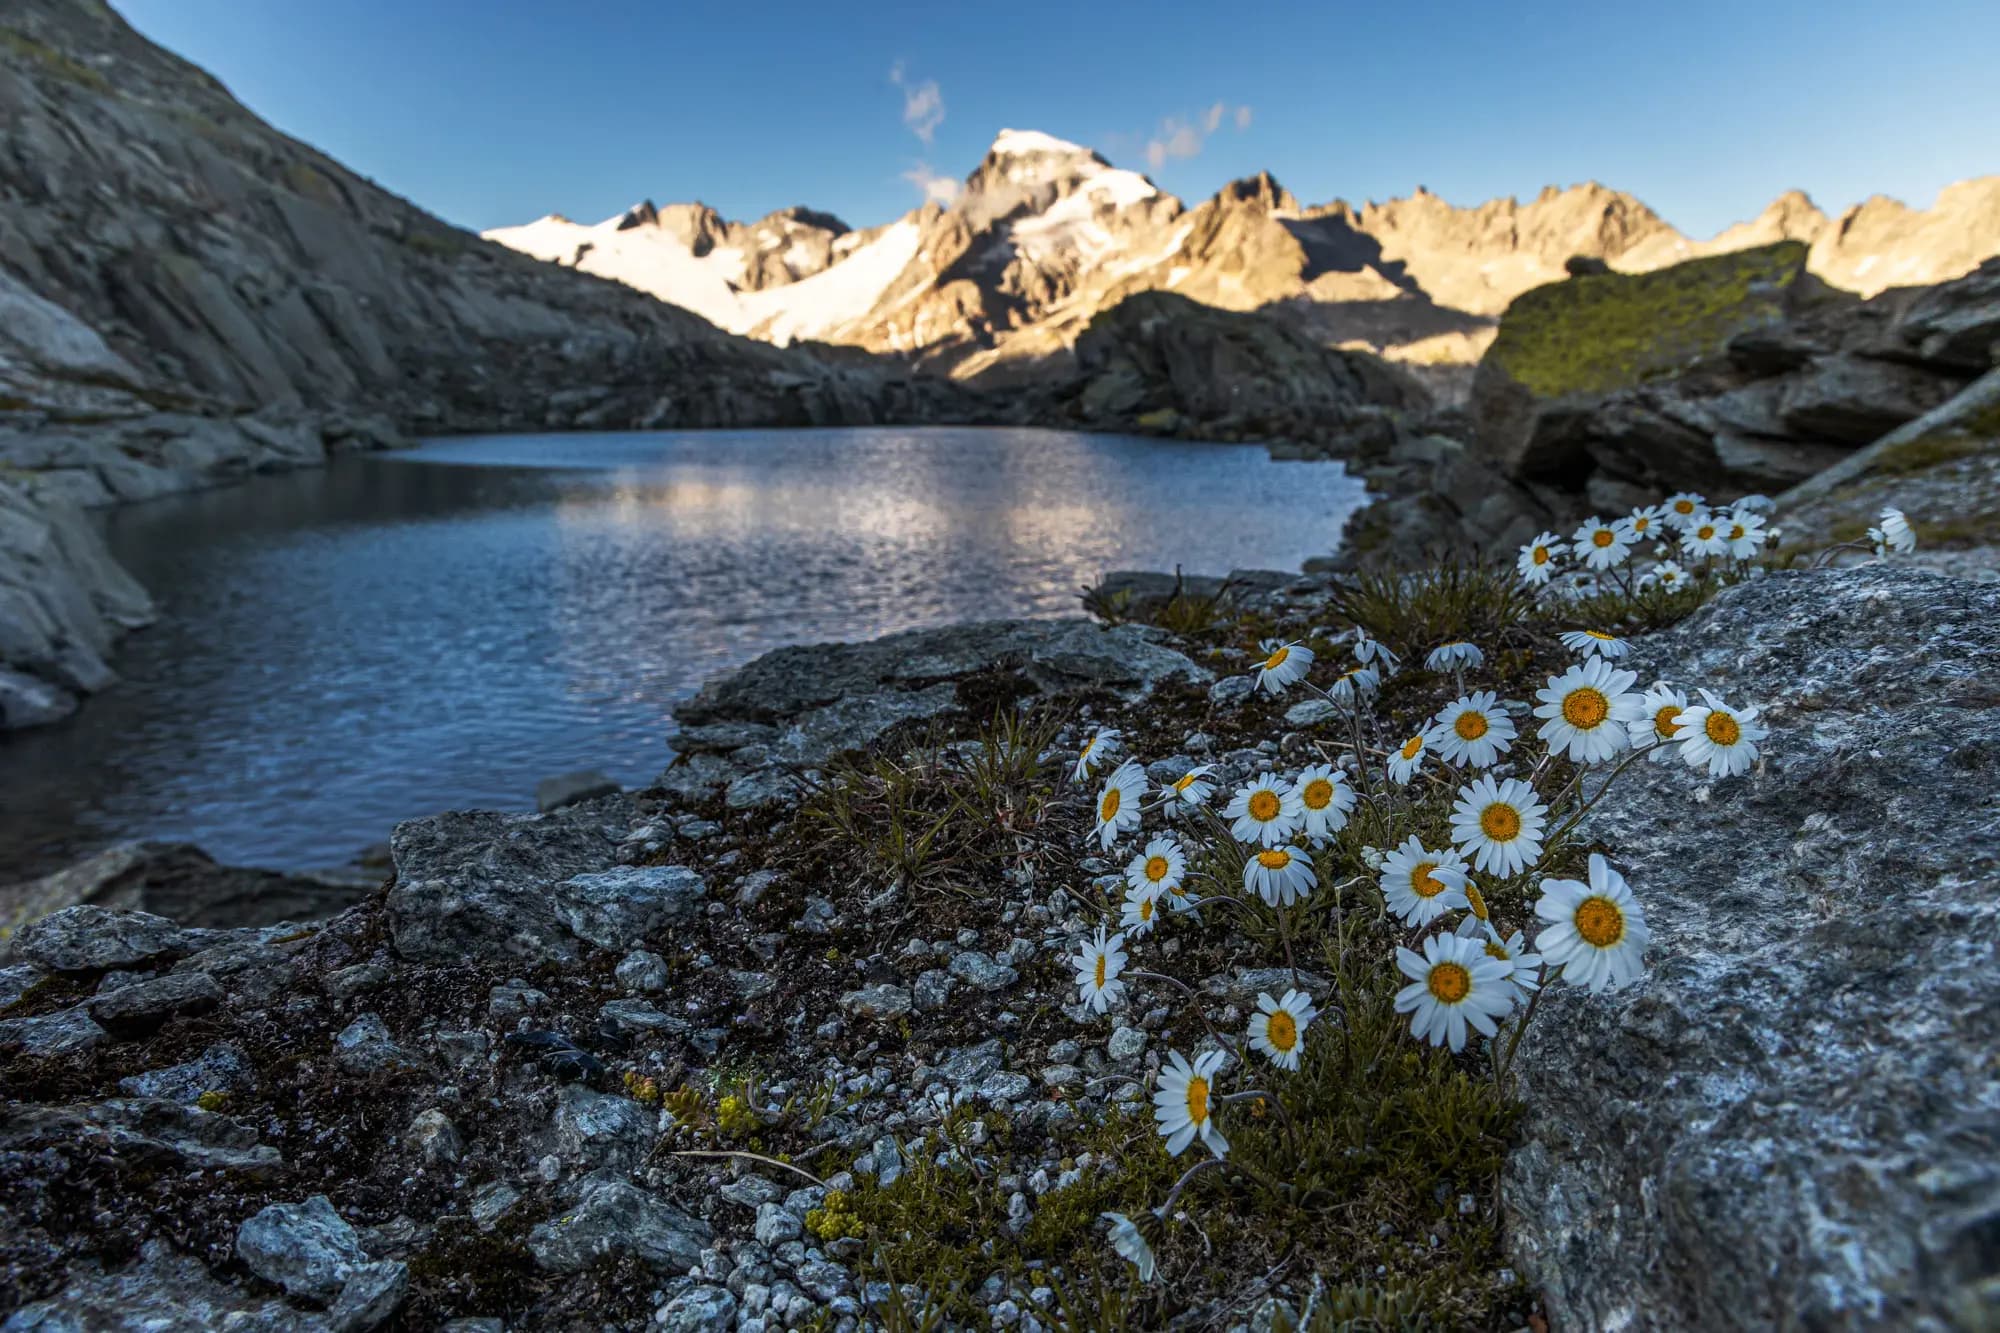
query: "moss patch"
56, 62
1607, 331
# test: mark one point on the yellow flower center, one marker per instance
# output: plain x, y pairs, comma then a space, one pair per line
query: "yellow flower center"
1450, 982
1102, 962
1666, 722
1476, 899
1264, 805
1422, 882
1705, 531
1600, 635
1109, 810
1722, 729
1495, 950
1281, 1032
1500, 822
1275, 859
1186, 782
1735, 532
1585, 708
1156, 868
1641, 524
1412, 746
1603, 537
1600, 922
1277, 659
1683, 506
1541, 555
1145, 909
1197, 1099
1318, 794
1471, 725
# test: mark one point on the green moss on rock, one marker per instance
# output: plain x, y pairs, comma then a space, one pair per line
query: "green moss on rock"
1601, 332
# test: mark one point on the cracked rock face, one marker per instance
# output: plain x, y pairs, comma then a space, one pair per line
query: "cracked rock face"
1793, 1121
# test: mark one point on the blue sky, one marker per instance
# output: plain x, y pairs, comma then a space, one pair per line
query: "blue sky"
502, 110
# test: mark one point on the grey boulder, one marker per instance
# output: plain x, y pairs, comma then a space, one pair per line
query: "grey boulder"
1792, 1121
88, 938
306, 1248
613, 1217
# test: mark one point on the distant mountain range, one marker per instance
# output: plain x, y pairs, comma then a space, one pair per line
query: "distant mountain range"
1047, 233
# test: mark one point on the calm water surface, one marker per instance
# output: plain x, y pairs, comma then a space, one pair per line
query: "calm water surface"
405, 633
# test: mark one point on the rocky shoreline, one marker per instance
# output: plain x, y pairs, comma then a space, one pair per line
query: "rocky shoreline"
442, 1106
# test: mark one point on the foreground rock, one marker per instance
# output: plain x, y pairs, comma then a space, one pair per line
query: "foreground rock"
1791, 1122
179, 880
759, 730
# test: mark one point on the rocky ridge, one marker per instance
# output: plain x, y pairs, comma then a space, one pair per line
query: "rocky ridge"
1046, 234
1730, 375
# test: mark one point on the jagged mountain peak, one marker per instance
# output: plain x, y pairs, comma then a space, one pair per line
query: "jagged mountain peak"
1260, 191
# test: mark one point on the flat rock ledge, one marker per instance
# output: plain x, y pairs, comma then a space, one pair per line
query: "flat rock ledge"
757, 731
1792, 1122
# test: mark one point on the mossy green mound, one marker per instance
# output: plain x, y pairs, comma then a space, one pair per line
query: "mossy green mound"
1601, 332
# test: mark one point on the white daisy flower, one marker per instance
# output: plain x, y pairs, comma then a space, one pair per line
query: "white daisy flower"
1452, 984
1280, 876
1595, 643
1878, 543
1473, 731
1420, 885
1354, 684
1118, 802
1287, 663
1538, 558
1658, 723
1097, 969
1408, 758
1745, 534
1597, 931
1158, 868
1667, 575
1525, 978
1181, 898
1324, 800
1685, 510
1184, 1105
1190, 790
1278, 1028
1720, 738
1457, 653
1643, 524
1104, 745
1139, 913
1131, 1244
1601, 545
1500, 824
1706, 536
1585, 709
1375, 653
1265, 811
1897, 533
